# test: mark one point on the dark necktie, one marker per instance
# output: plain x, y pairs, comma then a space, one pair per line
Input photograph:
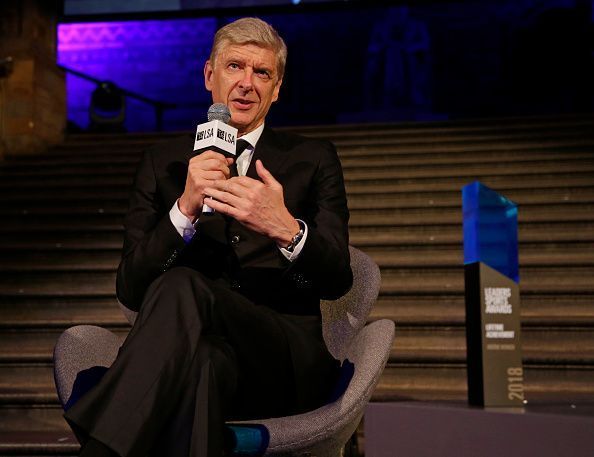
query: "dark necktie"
239, 148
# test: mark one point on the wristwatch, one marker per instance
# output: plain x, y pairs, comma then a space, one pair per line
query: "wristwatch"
297, 238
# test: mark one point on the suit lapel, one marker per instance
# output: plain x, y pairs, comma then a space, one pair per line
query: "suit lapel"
269, 151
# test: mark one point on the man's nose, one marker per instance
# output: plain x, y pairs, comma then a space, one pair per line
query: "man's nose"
245, 82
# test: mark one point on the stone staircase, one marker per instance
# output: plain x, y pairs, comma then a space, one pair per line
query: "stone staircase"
60, 240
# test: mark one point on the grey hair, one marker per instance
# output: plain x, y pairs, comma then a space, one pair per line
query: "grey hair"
251, 30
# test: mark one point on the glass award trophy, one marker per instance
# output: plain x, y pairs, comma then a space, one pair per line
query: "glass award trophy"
494, 353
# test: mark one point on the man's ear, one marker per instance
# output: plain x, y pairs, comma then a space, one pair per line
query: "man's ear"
208, 72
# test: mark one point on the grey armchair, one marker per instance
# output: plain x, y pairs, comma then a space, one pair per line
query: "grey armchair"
83, 353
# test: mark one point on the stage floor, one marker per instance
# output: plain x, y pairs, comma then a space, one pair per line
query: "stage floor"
421, 429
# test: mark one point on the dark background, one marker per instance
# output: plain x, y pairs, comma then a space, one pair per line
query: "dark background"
348, 61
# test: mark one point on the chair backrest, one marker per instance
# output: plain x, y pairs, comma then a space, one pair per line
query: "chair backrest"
343, 318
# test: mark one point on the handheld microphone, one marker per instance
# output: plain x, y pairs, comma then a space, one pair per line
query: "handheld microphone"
216, 135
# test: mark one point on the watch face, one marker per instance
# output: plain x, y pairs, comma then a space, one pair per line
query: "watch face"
296, 239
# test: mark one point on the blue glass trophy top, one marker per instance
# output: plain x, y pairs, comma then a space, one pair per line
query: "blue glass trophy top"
490, 229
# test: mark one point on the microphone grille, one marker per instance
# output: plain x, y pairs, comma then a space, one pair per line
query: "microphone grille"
219, 112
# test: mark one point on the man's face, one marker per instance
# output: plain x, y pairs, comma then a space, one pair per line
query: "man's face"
245, 78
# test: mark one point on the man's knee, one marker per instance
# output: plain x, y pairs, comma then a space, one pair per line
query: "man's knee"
179, 292
180, 277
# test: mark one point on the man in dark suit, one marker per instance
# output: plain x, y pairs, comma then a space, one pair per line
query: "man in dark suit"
229, 322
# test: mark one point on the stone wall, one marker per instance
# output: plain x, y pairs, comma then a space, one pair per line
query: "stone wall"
33, 95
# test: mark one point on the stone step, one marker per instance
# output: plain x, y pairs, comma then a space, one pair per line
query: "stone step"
522, 184
519, 148
537, 309
543, 385
56, 159
540, 346
83, 235
472, 170
366, 158
57, 260
398, 382
566, 188
357, 200
352, 153
440, 309
34, 417
37, 443
99, 221
395, 281
39, 238
30, 259
453, 126
28, 383
426, 345
440, 382
517, 179
524, 124
496, 178
367, 236
32, 346
362, 152
462, 126
58, 196
36, 403
357, 204
71, 284
530, 123
376, 171
418, 216
433, 128
114, 214
74, 208
67, 182
105, 169
537, 280
530, 255
539, 196
43, 313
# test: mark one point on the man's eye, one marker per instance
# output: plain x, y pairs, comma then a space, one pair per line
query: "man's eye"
264, 74
234, 66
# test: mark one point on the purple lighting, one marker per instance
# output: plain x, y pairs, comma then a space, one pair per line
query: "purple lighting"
161, 60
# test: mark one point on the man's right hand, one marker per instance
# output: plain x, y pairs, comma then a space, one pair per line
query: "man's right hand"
203, 170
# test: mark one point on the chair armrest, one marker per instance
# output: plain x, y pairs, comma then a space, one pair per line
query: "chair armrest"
369, 351
81, 348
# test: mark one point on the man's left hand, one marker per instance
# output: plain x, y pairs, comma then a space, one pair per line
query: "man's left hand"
260, 206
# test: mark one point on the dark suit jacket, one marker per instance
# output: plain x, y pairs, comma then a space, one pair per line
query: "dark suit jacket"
224, 250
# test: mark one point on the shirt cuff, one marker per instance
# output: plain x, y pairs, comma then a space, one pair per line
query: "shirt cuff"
291, 256
182, 224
